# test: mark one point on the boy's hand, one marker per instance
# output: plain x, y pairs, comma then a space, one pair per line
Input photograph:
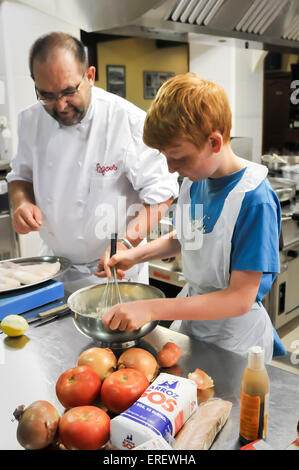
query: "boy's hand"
128, 316
123, 260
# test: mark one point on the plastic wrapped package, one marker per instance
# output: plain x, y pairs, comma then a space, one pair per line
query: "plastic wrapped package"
200, 430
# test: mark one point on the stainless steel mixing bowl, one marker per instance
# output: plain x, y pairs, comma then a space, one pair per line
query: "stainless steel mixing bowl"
84, 302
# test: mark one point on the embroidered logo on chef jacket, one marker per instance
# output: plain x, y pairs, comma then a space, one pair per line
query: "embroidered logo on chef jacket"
104, 170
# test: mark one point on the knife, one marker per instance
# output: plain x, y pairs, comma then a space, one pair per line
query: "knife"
56, 313
48, 315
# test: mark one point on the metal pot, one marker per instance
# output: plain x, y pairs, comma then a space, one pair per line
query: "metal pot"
276, 162
85, 301
284, 188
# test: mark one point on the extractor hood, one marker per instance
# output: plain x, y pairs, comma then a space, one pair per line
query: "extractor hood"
263, 23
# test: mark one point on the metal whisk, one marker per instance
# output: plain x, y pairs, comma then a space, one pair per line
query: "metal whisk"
111, 295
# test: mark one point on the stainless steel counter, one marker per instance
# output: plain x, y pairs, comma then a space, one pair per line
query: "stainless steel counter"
30, 366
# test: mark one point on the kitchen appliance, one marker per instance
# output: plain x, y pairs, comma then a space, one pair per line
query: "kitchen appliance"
22, 301
5, 140
286, 166
167, 270
282, 302
284, 188
85, 302
250, 23
8, 240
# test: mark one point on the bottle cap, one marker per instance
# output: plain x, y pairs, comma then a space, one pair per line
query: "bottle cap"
256, 355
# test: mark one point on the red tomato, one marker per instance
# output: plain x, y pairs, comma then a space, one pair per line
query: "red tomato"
84, 428
78, 386
122, 388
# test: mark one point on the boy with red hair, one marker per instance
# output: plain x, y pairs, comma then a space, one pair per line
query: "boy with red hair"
227, 225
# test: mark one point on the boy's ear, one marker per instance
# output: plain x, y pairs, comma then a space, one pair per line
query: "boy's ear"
216, 142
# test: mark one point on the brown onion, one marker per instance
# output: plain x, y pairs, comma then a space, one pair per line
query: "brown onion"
37, 424
102, 360
140, 359
202, 380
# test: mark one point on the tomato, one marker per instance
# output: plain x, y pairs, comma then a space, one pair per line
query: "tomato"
122, 388
84, 428
78, 386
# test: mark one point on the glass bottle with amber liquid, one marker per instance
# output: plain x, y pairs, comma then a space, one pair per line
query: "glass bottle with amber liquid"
254, 399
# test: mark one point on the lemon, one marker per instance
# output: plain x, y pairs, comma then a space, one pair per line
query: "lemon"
14, 325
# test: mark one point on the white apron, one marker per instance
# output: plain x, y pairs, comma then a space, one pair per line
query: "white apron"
206, 268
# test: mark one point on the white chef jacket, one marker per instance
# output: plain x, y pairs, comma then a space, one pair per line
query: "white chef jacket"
87, 177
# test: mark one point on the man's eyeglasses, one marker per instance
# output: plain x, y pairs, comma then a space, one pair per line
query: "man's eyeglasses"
47, 99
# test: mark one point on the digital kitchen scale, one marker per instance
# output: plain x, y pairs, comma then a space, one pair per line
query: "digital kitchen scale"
18, 302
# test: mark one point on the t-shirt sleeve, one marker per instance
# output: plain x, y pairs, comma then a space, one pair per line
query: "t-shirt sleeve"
255, 243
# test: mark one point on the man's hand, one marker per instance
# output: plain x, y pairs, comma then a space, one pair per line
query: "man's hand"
27, 218
128, 316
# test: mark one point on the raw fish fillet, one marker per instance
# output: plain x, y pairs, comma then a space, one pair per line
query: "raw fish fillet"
26, 274
8, 283
25, 278
43, 269
200, 430
8, 265
7, 273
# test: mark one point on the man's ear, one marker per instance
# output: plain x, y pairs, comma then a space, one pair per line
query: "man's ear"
90, 73
216, 141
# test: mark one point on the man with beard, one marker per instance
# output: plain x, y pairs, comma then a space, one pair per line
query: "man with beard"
82, 171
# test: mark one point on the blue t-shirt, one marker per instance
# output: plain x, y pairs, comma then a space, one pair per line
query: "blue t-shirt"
255, 241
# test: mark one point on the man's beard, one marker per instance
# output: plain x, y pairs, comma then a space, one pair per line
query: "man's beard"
76, 116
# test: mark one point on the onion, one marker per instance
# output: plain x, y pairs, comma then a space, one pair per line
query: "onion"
37, 424
102, 360
202, 380
137, 358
